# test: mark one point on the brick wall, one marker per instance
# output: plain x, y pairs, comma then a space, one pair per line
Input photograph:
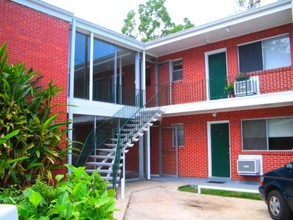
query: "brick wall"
193, 157
194, 67
40, 41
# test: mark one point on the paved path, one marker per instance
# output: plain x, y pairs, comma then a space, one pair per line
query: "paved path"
147, 200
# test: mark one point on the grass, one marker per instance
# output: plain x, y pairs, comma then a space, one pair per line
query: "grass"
244, 195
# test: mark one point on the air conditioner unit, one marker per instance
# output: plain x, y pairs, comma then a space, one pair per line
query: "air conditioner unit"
246, 87
248, 166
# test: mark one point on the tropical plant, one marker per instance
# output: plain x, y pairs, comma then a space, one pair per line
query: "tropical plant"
26, 107
242, 77
229, 89
79, 196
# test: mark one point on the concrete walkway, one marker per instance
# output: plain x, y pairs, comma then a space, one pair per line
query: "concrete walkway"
159, 199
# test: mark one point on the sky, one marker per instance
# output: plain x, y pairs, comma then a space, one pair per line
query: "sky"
111, 13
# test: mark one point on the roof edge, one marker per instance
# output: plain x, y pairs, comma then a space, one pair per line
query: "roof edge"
227, 21
47, 8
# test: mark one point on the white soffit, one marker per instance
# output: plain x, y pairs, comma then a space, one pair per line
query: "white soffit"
262, 18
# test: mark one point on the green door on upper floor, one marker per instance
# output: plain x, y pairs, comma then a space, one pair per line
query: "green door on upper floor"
217, 75
220, 150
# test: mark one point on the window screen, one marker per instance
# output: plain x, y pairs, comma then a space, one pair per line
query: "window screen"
254, 135
250, 57
177, 70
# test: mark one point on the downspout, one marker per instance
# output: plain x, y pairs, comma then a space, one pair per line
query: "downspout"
91, 66
71, 86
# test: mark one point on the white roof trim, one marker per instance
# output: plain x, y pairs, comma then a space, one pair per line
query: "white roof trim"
222, 23
47, 8
108, 35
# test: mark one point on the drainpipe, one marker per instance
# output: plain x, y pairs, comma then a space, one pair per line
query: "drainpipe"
91, 66
71, 85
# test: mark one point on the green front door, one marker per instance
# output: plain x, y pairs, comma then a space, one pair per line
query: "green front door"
217, 75
220, 150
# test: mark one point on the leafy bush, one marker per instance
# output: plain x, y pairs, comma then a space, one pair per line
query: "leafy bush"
80, 196
26, 106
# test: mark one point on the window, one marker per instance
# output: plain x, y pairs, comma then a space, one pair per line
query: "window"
268, 134
148, 76
264, 55
177, 70
178, 135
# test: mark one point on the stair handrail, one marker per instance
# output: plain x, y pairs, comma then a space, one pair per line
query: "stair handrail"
101, 134
155, 109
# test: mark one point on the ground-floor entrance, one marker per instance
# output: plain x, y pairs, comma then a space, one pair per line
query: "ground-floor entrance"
169, 158
219, 149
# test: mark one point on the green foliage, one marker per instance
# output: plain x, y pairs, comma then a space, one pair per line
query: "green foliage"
154, 22
30, 137
224, 193
187, 188
80, 196
248, 4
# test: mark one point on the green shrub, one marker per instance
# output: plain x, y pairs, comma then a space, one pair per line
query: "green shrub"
26, 106
80, 196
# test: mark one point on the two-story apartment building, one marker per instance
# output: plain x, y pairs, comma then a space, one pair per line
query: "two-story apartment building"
177, 105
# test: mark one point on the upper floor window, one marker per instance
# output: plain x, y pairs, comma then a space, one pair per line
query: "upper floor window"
263, 55
178, 135
148, 76
177, 70
268, 134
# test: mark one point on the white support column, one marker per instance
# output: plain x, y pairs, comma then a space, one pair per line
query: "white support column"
91, 66
148, 154
71, 86
141, 158
137, 77
143, 78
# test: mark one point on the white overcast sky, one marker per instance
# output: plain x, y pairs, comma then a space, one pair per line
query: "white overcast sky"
111, 13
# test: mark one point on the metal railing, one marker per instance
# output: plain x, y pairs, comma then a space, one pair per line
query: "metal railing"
141, 117
105, 92
109, 126
261, 82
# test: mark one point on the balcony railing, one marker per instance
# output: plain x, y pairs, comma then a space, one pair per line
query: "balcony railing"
263, 82
106, 92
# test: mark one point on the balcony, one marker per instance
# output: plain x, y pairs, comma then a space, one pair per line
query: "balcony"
259, 83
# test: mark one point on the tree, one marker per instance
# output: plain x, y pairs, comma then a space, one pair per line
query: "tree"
30, 134
153, 21
248, 4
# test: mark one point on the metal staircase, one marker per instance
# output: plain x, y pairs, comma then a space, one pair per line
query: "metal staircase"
106, 145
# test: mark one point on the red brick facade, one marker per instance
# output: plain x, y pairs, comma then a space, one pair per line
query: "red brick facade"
38, 40
193, 157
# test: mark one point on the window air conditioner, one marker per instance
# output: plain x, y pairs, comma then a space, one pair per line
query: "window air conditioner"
246, 87
248, 167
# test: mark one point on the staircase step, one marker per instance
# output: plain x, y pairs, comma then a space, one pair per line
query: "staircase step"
110, 145
102, 156
99, 164
110, 178
107, 149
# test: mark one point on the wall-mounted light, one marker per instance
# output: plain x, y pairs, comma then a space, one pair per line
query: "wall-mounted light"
214, 114
228, 29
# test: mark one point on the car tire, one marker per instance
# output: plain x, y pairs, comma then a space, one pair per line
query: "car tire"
277, 206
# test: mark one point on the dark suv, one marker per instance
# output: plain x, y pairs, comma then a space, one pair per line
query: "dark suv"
276, 189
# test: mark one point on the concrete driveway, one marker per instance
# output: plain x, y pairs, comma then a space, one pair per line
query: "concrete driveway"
162, 201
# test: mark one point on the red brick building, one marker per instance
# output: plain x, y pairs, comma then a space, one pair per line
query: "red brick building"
170, 94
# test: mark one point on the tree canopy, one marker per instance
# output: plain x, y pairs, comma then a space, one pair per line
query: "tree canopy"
248, 4
153, 21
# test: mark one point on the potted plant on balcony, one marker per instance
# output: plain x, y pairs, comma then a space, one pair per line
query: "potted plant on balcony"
241, 77
229, 89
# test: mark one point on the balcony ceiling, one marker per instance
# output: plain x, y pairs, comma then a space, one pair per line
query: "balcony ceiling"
266, 17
